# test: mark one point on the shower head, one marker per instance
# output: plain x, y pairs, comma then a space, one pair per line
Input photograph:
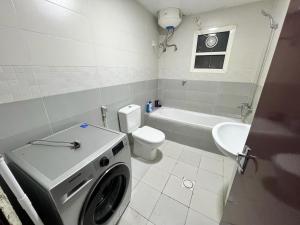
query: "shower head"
273, 24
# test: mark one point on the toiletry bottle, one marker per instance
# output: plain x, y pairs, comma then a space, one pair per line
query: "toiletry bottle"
150, 106
147, 107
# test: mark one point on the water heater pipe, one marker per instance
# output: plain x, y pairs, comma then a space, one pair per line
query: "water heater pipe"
164, 45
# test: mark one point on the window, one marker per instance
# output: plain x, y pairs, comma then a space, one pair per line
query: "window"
211, 49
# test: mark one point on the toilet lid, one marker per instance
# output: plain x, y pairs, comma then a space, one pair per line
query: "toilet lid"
149, 134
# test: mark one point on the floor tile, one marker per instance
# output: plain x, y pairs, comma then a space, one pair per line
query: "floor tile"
195, 218
168, 212
184, 170
134, 183
172, 149
177, 191
165, 164
144, 199
190, 157
210, 181
208, 204
139, 168
156, 178
229, 167
212, 165
163, 145
131, 217
149, 206
211, 155
193, 149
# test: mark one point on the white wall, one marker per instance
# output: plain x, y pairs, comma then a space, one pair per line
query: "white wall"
279, 11
50, 47
247, 51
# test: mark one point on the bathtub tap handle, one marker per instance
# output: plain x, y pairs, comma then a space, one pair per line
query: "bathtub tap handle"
246, 110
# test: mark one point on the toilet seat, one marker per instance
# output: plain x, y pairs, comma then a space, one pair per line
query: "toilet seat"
149, 135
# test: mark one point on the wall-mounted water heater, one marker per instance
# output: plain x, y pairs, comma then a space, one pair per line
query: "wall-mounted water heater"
169, 19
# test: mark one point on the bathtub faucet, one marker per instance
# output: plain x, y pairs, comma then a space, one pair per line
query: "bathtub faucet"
183, 82
246, 110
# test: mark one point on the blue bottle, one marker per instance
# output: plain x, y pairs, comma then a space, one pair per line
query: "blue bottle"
150, 106
147, 107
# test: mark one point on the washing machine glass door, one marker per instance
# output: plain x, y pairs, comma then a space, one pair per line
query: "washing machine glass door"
105, 196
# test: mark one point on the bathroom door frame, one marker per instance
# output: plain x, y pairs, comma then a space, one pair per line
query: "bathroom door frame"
268, 193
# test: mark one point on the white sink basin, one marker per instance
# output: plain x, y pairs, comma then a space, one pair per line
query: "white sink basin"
230, 138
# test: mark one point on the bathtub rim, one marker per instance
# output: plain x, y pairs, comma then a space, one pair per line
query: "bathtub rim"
161, 116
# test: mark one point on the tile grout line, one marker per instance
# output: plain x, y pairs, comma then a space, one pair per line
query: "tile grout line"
161, 193
47, 114
193, 192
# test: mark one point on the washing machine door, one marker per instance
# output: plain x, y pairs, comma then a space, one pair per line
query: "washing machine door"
106, 196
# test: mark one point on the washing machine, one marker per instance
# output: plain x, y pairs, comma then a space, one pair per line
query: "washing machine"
81, 175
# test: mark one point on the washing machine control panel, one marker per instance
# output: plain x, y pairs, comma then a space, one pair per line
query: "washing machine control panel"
118, 148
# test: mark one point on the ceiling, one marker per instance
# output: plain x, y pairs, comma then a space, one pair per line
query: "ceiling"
189, 7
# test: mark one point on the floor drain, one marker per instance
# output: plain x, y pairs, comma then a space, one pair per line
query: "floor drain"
189, 184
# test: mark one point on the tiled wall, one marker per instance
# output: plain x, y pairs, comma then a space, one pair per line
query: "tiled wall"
50, 47
279, 13
249, 44
213, 97
26, 120
61, 60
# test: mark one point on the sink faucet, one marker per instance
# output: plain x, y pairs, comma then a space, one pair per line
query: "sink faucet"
246, 110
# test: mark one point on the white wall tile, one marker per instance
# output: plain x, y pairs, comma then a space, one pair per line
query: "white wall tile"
13, 49
45, 17
53, 51
7, 14
79, 6
74, 45
59, 80
124, 41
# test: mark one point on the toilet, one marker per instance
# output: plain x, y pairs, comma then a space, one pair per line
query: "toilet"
146, 139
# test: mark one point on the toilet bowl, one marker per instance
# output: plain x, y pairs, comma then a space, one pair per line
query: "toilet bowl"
146, 142
146, 139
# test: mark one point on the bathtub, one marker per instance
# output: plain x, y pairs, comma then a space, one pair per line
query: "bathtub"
187, 127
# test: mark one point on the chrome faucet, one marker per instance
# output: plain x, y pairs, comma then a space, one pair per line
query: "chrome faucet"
246, 110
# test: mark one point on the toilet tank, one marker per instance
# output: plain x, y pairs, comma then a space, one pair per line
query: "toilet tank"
130, 118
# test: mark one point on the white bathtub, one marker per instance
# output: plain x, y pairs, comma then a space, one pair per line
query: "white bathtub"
190, 117
187, 127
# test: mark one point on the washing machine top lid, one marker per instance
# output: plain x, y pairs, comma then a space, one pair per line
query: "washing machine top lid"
54, 160
149, 135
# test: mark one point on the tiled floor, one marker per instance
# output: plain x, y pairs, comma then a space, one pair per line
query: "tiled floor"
160, 198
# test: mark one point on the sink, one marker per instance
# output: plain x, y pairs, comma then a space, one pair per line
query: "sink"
231, 137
